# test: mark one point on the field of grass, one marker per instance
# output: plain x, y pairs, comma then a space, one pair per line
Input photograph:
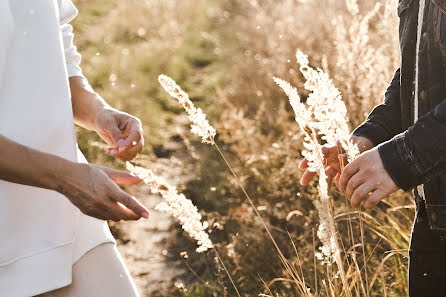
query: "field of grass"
224, 54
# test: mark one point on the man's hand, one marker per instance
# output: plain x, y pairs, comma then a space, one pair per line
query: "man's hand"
332, 159
121, 131
366, 179
93, 190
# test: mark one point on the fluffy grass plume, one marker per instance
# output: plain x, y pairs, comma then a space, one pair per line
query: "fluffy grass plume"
176, 205
200, 125
325, 115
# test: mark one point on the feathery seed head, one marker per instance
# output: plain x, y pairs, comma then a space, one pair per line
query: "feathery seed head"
200, 125
177, 205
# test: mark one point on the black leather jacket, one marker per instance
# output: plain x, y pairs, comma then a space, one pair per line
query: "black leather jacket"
415, 154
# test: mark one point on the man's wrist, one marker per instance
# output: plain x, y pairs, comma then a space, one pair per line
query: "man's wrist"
364, 144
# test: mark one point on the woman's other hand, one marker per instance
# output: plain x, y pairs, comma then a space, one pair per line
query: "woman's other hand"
121, 131
93, 190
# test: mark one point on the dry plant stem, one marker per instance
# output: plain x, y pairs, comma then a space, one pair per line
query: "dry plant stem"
281, 256
324, 207
314, 263
298, 259
337, 255
197, 275
266, 286
201, 127
358, 272
361, 228
226, 270
350, 230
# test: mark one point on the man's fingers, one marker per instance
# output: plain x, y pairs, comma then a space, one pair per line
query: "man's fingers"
347, 173
303, 164
374, 199
331, 173
330, 151
330, 156
336, 179
360, 193
342, 160
355, 181
307, 177
131, 203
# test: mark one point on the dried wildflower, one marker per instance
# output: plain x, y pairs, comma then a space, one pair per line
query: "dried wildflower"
176, 205
200, 126
327, 107
231, 250
326, 115
303, 115
180, 286
326, 231
304, 118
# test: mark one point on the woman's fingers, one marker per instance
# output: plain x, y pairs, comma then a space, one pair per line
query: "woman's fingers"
126, 213
135, 136
120, 177
130, 202
130, 153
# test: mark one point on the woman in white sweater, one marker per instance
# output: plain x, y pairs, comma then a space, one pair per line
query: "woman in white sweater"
53, 237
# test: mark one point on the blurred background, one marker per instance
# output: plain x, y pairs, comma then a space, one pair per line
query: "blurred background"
224, 53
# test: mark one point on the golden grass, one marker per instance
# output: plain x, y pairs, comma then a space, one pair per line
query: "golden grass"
224, 54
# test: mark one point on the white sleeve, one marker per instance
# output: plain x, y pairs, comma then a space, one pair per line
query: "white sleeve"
6, 31
68, 12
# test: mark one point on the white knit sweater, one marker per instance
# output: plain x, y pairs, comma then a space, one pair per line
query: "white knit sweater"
41, 233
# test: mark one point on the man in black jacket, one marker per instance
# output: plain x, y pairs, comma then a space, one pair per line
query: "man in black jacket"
403, 143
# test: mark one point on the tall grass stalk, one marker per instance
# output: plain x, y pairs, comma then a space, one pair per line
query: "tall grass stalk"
181, 208
202, 128
327, 114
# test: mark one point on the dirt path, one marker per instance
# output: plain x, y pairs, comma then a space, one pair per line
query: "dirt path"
142, 243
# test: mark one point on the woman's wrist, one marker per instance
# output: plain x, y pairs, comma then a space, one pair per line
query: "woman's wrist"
87, 104
60, 175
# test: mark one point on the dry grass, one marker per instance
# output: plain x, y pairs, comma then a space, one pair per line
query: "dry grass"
225, 55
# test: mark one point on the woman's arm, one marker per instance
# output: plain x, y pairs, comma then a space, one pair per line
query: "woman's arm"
120, 130
91, 188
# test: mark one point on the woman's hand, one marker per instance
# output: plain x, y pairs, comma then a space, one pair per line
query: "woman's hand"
332, 159
121, 131
93, 190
